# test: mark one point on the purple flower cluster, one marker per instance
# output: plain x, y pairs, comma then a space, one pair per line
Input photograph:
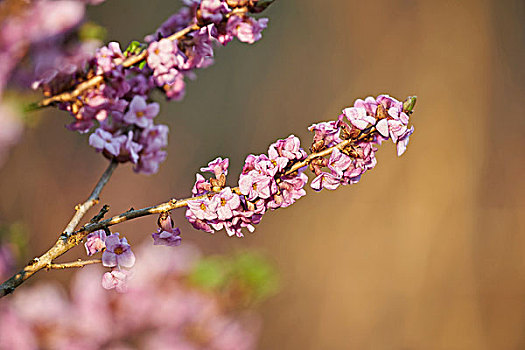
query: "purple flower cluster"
116, 254
263, 185
366, 124
126, 131
118, 112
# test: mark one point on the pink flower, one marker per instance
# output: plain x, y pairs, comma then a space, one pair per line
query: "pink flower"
141, 113
382, 127
102, 140
199, 224
217, 167
213, 10
130, 150
95, 242
115, 279
154, 138
226, 202
246, 29
203, 209
201, 186
292, 189
106, 55
289, 148
161, 55
118, 252
327, 132
339, 162
397, 129
369, 104
359, 117
254, 185
325, 180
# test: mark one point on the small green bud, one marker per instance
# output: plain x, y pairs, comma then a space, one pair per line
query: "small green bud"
408, 105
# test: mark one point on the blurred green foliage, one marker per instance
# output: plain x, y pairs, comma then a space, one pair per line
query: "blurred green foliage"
246, 276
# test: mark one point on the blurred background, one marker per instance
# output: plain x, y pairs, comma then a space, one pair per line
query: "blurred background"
426, 252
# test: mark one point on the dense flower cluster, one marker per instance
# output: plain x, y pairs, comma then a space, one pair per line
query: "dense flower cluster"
166, 307
365, 125
263, 185
118, 111
268, 182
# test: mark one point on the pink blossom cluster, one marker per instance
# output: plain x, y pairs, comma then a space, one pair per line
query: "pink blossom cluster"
119, 112
268, 182
366, 124
166, 307
263, 185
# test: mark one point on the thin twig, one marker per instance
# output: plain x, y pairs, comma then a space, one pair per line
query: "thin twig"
79, 263
82, 209
60, 247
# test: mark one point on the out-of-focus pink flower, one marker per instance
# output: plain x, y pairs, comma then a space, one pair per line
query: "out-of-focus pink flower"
115, 279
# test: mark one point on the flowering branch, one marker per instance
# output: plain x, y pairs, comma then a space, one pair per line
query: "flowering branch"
266, 182
126, 63
98, 79
110, 95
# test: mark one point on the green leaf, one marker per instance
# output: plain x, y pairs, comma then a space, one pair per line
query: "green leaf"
408, 105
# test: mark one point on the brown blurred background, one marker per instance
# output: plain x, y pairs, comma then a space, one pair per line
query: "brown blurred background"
427, 252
